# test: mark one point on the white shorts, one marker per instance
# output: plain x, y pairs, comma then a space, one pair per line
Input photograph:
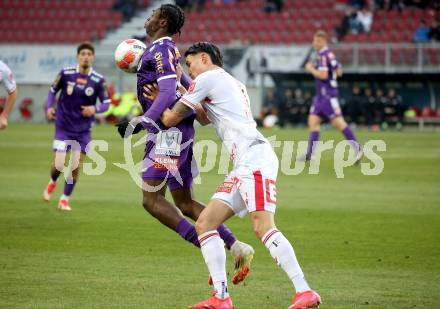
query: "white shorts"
248, 190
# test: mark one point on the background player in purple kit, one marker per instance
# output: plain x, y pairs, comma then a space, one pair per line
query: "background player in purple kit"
326, 104
163, 161
80, 88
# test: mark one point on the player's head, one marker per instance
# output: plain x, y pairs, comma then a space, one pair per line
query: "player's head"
319, 40
166, 20
85, 54
201, 57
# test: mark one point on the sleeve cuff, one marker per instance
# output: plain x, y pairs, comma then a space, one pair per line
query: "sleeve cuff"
188, 103
167, 77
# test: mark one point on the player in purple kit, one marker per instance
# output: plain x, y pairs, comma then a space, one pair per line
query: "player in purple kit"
325, 104
168, 153
80, 88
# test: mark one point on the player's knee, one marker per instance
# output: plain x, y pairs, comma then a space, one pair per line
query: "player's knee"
261, 227
202, 225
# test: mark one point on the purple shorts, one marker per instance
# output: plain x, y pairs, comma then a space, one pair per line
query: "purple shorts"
178, 170
325, 107
65, 141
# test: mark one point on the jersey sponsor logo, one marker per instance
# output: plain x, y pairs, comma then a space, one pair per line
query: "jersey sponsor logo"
81, 81
226, 187
191, 87
165, 163
159, 63
89, 91
168, 143
70, 87
95, 79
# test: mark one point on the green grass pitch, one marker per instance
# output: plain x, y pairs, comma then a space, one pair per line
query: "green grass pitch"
362, 241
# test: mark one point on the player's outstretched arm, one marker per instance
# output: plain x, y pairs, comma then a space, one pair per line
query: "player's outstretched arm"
171, 117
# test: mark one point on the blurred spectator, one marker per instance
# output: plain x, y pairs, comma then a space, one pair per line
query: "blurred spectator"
365, 18
353, 106
422, 33
367, 106
293, 109
434, 31
122, 106
347, 21
127, 7
251, 68
394, 110
394, 5
357, 4
273, 6
379, 107
270, 105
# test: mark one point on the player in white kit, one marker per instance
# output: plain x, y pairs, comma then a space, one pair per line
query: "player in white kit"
8, 81
249, 188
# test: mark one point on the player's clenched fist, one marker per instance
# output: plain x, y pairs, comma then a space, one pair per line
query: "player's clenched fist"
50, 113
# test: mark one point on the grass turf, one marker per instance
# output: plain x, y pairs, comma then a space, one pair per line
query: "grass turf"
363, 241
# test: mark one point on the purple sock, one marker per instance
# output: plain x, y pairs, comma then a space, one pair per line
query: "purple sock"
68, 188
226, 235
54, 174
188, 232
313, 138
349, 135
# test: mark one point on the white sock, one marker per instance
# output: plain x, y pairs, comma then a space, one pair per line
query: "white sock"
51, 181
64, 197
282, 251
213, 250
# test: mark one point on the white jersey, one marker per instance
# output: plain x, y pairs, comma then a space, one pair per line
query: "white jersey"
227, 104
7, 78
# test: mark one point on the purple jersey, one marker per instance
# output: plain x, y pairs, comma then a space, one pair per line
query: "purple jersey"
76, 90
327, 62
159, 63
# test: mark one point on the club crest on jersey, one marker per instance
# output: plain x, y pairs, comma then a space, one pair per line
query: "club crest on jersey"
89, 91
70, 86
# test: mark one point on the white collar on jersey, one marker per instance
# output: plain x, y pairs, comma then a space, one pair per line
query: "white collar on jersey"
324, 49
161, 39
90, 70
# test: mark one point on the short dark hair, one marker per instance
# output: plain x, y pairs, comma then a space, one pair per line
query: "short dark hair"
85, 45
321, 34
206, 47
175, 17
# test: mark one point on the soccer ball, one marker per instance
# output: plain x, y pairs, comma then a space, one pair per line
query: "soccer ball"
128, 54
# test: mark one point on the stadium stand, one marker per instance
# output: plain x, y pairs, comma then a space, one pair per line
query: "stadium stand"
247, 22
54, 21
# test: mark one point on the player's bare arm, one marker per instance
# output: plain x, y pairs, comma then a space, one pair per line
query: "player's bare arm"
201, 115
152, 90
339, 72
171, 117
315, 72
10, 101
